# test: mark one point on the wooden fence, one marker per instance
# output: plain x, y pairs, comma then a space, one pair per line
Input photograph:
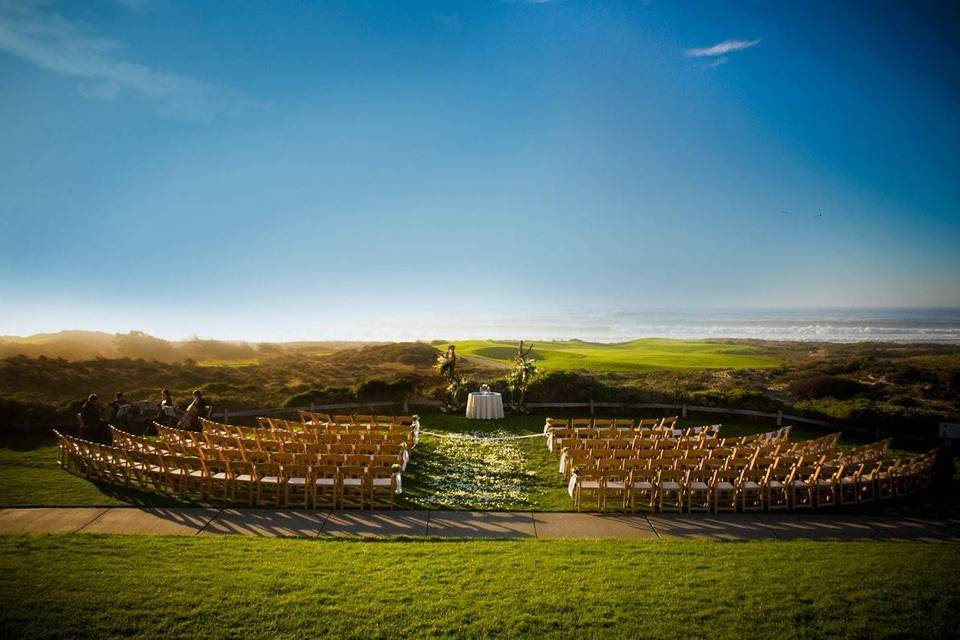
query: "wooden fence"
408, 405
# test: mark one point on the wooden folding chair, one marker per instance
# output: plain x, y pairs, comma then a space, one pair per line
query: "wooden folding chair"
725, 490
217, 477
778, 490
297, 485
803, 486
382, 487
643, 489
587, 482
194, 479
353, 486
698, 490
326, 486
828, 480
753, 489
671, 490
615, 486
242, 480
848, 485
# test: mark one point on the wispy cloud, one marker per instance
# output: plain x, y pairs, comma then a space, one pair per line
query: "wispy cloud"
38, 34
448, 20
721, 48
133, 5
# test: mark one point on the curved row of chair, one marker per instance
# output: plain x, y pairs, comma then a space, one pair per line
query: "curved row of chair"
775, 484
219, 464
653, 469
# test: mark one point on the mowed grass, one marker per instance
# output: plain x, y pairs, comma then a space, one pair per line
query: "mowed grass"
637, 355
86, 586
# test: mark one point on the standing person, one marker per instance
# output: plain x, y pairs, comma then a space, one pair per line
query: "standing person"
118, 402
166, 410
91, 418
191, 419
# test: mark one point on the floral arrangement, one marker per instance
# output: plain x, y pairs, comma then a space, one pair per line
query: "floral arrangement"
524, 369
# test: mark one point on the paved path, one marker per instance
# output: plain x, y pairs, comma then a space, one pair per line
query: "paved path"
476, 524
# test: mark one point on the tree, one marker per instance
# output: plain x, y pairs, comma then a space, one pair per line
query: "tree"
524, 369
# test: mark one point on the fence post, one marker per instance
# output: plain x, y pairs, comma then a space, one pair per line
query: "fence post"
311, 407
406, 406
683, 411
226, 416
779, 417
591, 406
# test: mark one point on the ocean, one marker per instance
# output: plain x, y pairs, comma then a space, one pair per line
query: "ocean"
823, 325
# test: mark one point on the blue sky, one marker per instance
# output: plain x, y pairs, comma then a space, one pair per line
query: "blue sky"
308, 170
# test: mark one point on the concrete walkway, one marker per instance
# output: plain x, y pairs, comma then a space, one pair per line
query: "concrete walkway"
464, 524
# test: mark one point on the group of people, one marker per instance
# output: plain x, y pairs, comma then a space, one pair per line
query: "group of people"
94, 417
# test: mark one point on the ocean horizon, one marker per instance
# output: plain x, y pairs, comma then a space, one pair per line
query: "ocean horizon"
810, 325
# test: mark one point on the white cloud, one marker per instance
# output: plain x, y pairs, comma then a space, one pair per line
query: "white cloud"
448, 20
721, 48
716, 62
33, 32
133, 5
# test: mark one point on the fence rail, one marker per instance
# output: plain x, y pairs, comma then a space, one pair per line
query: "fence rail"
407, 404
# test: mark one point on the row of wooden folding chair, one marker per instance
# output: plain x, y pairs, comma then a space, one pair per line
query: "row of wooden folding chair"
311, 418
211, 475
380, 423
258, 433
618, 423
773, 485
679, 490
283, 457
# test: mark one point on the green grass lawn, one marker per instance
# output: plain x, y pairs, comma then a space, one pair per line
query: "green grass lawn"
636, 355
519, 475
155, 586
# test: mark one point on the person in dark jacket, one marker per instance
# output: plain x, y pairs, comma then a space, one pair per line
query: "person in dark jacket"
92, 424
115, 406
166, 410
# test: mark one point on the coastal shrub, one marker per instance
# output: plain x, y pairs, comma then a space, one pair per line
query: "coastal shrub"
13, 411
565, 386
735, 399
825, 387
325, 395
382, 390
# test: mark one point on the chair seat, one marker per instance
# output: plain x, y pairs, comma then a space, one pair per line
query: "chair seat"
297, 481
699, 486
219, 476
243, 477
325, 482
725, 486
590, 484
750, 484
270, 480
196, 474
848, 480
352, 482
642, 484
670, 485
799, 484
775, 484
616, 484
381, 482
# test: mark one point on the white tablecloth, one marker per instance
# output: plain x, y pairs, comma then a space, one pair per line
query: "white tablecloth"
484, 406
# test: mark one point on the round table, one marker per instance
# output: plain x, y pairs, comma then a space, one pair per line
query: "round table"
484, 405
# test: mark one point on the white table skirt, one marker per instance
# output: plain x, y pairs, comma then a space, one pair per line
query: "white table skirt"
484, 406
